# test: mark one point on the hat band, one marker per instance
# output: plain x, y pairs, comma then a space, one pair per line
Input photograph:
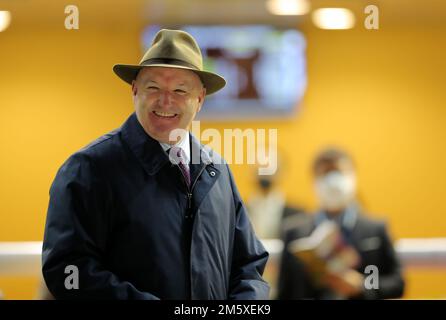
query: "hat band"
168, 61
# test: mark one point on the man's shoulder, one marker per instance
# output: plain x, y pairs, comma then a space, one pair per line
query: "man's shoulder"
104, 144
370, 224
104, 148
371, 220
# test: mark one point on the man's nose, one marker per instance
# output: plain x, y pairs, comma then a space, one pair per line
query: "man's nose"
165, 99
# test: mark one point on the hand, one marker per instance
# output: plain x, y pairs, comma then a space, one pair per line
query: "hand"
348, 284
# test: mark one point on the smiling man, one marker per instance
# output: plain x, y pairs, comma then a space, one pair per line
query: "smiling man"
135, 217
166, 99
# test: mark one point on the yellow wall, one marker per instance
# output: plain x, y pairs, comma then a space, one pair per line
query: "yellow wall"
380, 94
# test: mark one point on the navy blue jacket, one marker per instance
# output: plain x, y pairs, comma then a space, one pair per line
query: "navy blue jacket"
121, 213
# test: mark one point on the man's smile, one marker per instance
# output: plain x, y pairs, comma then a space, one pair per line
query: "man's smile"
161, 114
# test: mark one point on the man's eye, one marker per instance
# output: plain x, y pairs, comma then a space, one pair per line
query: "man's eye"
180, 91
152, 88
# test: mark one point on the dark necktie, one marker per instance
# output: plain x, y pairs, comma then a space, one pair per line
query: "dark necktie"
179, 158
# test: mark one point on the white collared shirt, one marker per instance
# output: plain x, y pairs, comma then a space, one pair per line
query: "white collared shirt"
183, 144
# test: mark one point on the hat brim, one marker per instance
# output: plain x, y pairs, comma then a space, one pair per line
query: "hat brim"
211, 81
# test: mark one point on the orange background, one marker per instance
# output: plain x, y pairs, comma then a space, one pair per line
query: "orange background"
379, 94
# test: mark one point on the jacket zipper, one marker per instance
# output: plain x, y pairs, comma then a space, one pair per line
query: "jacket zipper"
189, 207
191, 189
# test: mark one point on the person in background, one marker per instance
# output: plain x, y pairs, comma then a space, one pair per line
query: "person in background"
268, 209
335, 185
270, 214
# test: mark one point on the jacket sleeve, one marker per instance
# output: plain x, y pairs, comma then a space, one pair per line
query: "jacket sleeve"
76, 235
391, 282
249, 257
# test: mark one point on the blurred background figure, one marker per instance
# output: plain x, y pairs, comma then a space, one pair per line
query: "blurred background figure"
335, 186
270, 214
268, 208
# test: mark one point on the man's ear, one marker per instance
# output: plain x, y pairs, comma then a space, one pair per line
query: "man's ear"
134, 88
201, 99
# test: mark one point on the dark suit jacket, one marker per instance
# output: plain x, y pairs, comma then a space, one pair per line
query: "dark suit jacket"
374, 246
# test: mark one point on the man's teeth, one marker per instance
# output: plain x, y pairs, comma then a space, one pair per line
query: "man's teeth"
165, 114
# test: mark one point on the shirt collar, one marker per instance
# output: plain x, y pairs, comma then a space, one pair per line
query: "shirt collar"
150, 153
184, 144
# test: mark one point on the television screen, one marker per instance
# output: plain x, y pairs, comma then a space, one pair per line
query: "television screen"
264, 66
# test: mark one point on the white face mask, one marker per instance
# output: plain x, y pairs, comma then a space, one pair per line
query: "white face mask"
335, 190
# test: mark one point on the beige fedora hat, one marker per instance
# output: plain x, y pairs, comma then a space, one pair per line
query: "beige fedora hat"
173, 49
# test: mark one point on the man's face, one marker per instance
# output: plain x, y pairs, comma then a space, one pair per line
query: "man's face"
335, 185
342, 165
166, 99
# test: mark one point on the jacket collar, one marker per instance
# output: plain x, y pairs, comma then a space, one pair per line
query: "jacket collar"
150, 153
